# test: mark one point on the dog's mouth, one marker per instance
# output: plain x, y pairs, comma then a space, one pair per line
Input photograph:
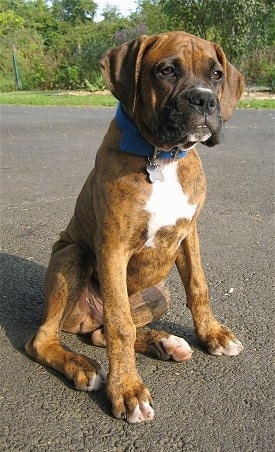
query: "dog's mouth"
201, 134
170, 137
184, 125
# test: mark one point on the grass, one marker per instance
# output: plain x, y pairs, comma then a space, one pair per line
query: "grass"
80, 99
259, 104
61, 98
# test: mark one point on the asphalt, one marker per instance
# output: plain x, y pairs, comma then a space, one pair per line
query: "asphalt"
209, 404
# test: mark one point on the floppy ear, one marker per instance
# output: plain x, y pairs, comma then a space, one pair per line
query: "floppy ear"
120, 67
232, 86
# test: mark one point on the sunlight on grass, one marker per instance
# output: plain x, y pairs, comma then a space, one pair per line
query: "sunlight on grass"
57, 98
257, 103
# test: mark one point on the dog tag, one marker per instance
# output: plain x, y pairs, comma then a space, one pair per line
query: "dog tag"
154, 172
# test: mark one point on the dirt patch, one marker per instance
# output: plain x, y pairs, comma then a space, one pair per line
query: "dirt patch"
82, 93
254, 93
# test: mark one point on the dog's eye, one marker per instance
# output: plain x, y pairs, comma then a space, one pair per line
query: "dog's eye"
167, 71
217, 75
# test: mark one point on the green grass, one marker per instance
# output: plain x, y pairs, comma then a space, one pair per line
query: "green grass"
57, 98
77, 99
259, 104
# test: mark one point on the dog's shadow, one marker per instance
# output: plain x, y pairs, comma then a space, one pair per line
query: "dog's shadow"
21, 310
21, 298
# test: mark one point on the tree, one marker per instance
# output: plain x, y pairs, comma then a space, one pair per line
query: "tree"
237, 25
10, 22
150, 13
59, 45
111, 13
74, 11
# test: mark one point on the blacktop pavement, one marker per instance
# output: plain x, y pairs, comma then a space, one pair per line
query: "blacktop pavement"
209, 404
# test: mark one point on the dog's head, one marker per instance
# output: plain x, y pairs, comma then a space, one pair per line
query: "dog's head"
177, 88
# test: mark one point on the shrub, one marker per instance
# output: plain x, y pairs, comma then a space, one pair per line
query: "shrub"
259, 67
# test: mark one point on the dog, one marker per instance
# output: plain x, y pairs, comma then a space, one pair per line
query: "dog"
136, 216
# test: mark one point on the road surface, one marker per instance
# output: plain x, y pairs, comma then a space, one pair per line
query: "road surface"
209, 404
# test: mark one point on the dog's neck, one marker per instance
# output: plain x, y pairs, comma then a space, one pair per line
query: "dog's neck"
133, 142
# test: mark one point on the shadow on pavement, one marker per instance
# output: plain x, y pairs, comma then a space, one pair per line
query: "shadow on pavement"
22, 297
21, 311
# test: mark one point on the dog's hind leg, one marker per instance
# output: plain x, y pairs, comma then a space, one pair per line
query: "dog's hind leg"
147, 306
66, 280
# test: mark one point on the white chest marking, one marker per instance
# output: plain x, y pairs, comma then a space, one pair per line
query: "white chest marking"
167, 202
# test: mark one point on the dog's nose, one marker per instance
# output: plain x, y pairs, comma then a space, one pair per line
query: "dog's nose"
203, 100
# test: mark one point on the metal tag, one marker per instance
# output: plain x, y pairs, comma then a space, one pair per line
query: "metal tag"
154, 172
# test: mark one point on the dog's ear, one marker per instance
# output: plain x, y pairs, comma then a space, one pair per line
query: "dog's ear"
232, 85
120, 67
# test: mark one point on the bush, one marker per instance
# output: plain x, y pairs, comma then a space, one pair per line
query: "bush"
96, 83
259, 67
7, 83
67, 77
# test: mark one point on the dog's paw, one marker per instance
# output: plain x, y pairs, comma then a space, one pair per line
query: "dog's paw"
143, 412
130, 399
91, 376
174, 347
221, 341
232, 349
97, 380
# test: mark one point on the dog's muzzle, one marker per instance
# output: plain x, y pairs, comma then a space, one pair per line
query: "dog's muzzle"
191, 116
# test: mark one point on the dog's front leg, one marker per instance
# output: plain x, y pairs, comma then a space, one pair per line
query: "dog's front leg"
218, 339
129, 397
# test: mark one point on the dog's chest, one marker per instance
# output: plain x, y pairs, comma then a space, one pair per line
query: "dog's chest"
167, 203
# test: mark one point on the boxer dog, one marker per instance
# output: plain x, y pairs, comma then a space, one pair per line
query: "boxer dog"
136, 216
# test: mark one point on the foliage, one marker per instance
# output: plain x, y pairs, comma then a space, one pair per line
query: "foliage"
129, 33
241, 25
111, 13
58, 44
245, 30
97, 83
151, 14
74, 11
260, 67
10, 21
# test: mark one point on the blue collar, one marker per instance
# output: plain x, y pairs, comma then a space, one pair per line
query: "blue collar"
133, 142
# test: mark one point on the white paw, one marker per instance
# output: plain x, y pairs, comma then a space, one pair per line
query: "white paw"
177, 348
143, 412
98, 380
232, 349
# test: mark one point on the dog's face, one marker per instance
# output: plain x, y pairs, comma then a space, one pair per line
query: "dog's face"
178, 88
